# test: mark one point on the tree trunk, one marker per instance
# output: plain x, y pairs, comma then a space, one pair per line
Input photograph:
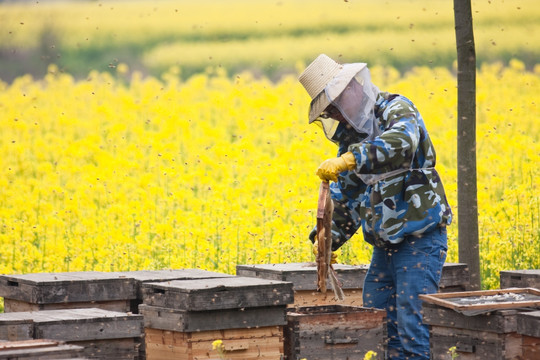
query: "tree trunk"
466, 142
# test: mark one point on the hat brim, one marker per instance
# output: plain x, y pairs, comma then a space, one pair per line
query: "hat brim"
322, 100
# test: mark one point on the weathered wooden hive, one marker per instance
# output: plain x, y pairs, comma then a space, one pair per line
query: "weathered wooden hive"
102, 334
334, 332
520, 278
455, 277
528, 326
48, 291
184, 317
141, 277
479, 324
303, 276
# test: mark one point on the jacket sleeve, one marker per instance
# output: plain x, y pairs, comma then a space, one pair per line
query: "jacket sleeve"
345, 195
395, 147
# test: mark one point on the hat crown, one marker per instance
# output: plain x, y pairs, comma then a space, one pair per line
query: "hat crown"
318, 74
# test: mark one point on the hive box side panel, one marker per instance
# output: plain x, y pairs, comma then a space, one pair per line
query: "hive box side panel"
188, 321
474, 345
520, 278
218, 294
244, 344
531, 347
334, 335
528, 323
17, 330
11, 305
304, 298
89, 330
45, 288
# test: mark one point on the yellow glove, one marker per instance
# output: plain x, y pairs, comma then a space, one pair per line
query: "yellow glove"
315, 250
329, 169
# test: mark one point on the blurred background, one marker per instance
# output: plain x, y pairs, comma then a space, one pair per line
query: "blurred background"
269, 37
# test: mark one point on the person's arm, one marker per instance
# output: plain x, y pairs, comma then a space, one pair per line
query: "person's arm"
394, 149
345, 193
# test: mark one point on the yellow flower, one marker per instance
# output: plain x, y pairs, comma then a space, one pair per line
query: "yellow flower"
217, 345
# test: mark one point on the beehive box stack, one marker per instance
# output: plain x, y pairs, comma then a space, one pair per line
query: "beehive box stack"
141, 277
146, 276
184, 317
528, 326
39, 349
479, 324
49, 291
334, 332
520, 279
455, 277
103, 334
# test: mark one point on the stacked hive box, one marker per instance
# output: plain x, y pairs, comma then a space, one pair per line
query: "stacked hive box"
455, 277
184, 317
479, 324
141, 277
115, 291
103, 334
528, 325
520, 279
48, 291
334, 332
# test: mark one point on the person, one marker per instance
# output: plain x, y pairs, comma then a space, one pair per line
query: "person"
384, 181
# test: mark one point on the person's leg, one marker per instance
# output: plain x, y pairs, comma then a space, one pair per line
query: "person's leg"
418, 265
379, 292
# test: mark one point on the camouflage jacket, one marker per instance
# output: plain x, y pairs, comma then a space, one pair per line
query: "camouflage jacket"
410, 202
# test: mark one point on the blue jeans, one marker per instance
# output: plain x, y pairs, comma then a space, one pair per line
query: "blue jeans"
396, 276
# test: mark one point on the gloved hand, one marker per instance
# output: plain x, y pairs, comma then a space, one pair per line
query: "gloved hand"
330, 168
315, 250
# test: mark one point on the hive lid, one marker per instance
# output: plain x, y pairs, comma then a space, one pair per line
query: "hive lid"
217, 293
67, 287
170, 274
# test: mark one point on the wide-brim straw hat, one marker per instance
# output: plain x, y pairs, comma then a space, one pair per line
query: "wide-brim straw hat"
318, 75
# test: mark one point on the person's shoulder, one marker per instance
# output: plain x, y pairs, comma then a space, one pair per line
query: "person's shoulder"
396, 103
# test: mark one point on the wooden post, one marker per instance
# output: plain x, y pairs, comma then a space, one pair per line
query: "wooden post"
466, 143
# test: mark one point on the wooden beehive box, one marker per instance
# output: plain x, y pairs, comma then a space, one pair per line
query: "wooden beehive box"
103, 334
49, 291
480, 324
146, 276
303, 276
455, 277
528, 326
520, 279
184, 317
334, 332
39, 349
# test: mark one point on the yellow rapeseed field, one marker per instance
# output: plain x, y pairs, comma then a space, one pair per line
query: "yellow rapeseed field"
104, 174
125, 170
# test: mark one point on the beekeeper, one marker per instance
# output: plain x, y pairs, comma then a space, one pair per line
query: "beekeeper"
383, 180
